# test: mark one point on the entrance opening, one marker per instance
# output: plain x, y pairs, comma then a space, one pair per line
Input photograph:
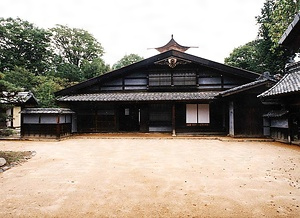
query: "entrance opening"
129, 118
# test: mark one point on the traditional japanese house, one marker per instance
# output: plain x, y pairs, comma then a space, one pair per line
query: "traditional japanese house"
15, 103
171, 92
283, 121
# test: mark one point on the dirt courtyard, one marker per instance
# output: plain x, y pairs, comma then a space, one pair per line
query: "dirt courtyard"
152, 178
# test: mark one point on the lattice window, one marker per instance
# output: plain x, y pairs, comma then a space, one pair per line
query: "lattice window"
160, 79
184, 79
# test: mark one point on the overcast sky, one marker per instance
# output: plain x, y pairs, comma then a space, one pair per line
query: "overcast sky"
132, 26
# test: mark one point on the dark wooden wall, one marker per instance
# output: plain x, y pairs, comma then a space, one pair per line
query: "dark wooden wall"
164, 78
46, 125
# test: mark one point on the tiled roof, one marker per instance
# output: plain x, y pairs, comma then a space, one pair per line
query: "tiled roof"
290, 83
15, 98
141, 96
47, 111
278, 113
244, 87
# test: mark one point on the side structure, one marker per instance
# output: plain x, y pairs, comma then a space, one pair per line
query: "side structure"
283, 121
46, 122
171, 92
14, 106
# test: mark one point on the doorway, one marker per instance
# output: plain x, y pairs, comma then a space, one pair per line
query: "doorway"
129, 118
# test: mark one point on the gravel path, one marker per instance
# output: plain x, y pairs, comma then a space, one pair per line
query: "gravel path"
152, 178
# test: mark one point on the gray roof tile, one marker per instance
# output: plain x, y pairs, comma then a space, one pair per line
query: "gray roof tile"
290, 83
244, 87
47, 111
140, 96
16, 98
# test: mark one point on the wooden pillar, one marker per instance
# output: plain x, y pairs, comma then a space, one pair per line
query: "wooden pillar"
12, 117
58, 126
289, 136
173, 120
22, 125
231, 118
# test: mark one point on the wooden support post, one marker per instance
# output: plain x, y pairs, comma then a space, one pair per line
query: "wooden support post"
58, 127
173, 120
231, 118
289, 137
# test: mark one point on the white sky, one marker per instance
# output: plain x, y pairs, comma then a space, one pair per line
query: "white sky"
132, 26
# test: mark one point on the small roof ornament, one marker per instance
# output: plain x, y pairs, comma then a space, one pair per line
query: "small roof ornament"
173, 45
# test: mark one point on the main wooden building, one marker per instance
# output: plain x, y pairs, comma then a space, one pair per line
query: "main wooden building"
171, 92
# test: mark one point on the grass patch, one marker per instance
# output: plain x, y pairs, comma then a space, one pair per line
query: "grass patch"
6, 132
15, 156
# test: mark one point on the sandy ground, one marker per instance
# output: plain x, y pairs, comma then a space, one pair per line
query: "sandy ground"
152, 178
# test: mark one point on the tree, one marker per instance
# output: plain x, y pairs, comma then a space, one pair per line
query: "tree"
23, 45
68, 71
75, 45
245, 57
6, 86
127, 60
44, 61
21, 78
265, 52
44, 91
75, 74
276, 16
78, 54
93, 68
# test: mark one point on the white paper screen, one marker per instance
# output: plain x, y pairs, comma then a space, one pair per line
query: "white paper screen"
191, 113
203, 113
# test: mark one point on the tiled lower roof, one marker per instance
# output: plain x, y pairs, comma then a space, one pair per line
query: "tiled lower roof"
47, 111
244, 87
278, 113
141, 96
290, 83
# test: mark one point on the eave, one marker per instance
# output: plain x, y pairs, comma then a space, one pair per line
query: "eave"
245, 87
291, 37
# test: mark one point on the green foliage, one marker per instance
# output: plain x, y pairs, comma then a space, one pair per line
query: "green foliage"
6, 132
21, 78
93, 68
265, 54
275, 17
44, 91
23, 45
88, 69
70, 72
257, 56
45, 61
75, 45
127, 60
5, 85
78, 54
245, 57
